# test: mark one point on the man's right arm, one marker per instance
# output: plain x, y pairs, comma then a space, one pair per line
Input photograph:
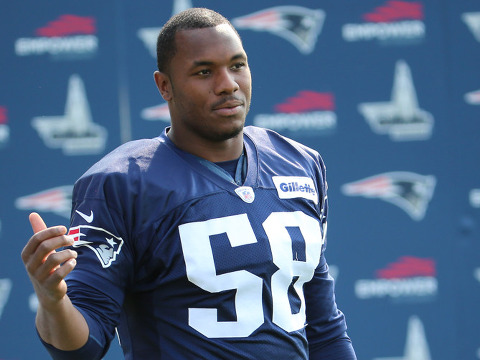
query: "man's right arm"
58, 322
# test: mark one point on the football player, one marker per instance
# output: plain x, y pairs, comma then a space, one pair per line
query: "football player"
206, 242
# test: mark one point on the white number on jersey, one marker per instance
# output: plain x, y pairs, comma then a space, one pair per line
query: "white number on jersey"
201, 271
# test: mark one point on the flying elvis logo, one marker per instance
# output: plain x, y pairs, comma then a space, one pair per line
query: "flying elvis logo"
4, 129
410, 191
296, 24
57, 200
472, 97
290, 187
157, 112
104, 244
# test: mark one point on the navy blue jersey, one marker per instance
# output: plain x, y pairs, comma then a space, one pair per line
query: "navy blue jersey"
188, 265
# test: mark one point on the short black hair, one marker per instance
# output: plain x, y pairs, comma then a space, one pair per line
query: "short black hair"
193, 18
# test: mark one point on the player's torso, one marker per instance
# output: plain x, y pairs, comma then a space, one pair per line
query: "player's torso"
223, 269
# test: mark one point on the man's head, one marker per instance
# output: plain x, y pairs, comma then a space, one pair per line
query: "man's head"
194, 18
205, 78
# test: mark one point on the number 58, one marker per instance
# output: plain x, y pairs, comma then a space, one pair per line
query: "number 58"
201, 271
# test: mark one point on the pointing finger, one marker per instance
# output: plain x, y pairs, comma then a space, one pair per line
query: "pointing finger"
37, 222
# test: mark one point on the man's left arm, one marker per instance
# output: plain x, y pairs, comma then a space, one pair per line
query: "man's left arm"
339, 349
326, 326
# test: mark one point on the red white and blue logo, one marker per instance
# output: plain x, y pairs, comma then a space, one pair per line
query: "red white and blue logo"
67, 37
103, 243
394, 22
306, 113
245, 193
409, 191
298, 25
408, 278
156, 113
4, 128
57, 200
472, 97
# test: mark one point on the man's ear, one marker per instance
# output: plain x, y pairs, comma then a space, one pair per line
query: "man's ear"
163, 84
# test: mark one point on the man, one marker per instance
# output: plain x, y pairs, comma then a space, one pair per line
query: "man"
206, 242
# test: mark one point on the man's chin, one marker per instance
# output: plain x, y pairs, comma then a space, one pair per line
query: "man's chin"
227, 134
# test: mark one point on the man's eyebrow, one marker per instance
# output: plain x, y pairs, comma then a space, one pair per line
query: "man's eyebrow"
197, 63
202, 63
239, 56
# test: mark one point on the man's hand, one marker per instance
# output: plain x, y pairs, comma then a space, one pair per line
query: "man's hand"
46, 266
58, 322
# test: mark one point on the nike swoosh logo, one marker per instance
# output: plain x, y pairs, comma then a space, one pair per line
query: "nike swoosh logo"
87, 218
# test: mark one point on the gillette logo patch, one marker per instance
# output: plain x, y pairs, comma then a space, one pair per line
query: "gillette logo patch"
289, 187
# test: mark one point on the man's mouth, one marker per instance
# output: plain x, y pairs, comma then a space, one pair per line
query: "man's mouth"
228, 107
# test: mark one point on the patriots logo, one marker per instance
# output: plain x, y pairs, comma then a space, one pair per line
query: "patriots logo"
409, 191
57, 200
4, 129
103, 243
472, 97
298, 25
159, 112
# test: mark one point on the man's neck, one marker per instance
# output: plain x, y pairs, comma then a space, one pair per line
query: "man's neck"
219, 151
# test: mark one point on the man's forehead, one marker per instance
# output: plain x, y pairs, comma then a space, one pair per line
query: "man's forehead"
222, 30
211, 41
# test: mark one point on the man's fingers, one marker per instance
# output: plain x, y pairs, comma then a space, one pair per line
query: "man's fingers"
63, 270
38, 249
53, 263
44, 240
37, 222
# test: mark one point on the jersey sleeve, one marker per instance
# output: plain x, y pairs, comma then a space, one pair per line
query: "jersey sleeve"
96, 287
91, 350
326, 326
339, 349
325, 321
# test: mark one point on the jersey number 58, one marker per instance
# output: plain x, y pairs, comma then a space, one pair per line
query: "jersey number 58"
201, 271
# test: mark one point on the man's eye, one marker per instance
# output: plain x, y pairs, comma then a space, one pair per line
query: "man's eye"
203, 72
238, 66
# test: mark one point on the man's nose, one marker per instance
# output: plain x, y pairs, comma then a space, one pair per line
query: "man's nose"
226, 82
